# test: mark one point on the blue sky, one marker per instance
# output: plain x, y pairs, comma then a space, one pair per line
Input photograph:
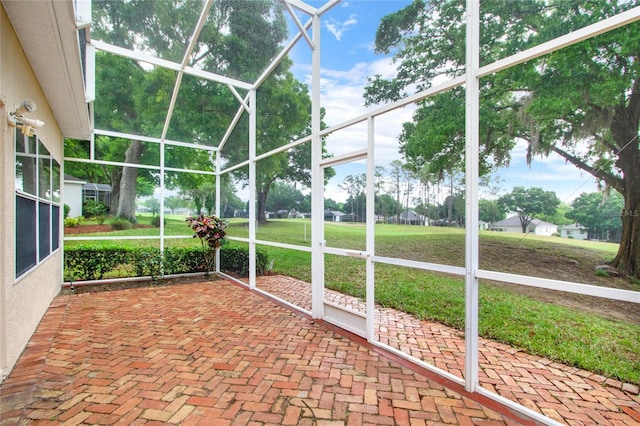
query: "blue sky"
348, 58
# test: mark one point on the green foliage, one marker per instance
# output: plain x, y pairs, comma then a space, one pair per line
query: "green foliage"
182, 260
239, 41
146, 262
172, 202
67, 209
120, 224
491, 211
92, 208
600, 214
71, 222
529, 204
236, 259
94, 262
579, 102
285, 196
152, 204
559, 217
211, 232
155, 221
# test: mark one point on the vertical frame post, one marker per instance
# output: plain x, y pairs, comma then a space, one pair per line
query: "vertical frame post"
370, 230
252, 188
317, 181
218, 163
472, 177
162, 193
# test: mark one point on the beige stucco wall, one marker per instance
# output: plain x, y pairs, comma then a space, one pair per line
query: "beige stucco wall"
23, 302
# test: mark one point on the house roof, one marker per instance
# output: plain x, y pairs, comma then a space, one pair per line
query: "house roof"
514, 221
410, 215
97, 187
48, 33
73, 179
573, 226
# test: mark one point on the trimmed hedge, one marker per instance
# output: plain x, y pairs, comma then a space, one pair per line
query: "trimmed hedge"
92, 262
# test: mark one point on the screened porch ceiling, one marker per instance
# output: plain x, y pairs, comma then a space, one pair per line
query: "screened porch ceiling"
184, 40
205, 92
186, 49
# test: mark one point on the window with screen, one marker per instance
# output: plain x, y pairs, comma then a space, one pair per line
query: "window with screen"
37, 185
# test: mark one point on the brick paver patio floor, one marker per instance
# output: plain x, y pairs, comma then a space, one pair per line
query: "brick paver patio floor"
566, 394
215, 353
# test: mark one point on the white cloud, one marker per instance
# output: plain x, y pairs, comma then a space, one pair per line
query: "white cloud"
552, 173
342, 96
337, 28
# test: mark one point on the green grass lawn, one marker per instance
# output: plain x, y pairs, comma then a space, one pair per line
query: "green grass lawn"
567, 335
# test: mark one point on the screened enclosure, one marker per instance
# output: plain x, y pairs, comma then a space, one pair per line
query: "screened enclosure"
388, 176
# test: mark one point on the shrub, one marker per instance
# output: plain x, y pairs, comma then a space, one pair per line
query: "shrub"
236, 260
156, 221
88, 262
93, 262
211, 231
71, 222
147, 261
92, 208
120, 224
67, 209
179, 260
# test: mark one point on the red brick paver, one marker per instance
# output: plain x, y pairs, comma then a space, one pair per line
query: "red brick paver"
212, 354
216, 354
565, 394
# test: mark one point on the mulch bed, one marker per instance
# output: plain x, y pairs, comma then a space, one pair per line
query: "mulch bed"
90, 229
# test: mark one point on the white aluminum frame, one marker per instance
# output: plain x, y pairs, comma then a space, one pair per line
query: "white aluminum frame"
471, 271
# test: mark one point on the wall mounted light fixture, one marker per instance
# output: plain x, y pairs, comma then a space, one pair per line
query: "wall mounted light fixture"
18, 120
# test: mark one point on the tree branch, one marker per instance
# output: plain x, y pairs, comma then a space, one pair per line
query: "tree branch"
613, 181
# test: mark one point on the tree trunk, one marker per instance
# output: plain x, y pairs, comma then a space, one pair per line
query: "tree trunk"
624, 129
262, 192
398, 205
128, 184
524, 222
627, 261
115, 176
262, 202
450, 203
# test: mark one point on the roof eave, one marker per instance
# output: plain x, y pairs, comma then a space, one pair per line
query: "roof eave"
49, 37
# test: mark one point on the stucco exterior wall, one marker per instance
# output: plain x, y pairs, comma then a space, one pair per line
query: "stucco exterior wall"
23, 302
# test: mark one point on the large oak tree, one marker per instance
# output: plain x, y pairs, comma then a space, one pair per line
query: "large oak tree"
581, 102
239, 40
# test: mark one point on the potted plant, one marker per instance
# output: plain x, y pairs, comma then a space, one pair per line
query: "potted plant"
211, 231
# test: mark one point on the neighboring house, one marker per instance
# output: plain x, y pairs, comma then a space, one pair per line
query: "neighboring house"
98, 192
333, 216
574, 231
294, 214
407, 217
72, 190
482, 225
350, 217
536, 227
77, 192
286, 214
40, 63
